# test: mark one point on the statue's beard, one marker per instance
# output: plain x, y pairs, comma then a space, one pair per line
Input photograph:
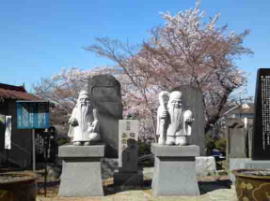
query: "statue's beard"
84, 109
175, 114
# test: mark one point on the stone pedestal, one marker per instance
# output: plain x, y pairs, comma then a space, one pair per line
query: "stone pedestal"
81, 171
174, 171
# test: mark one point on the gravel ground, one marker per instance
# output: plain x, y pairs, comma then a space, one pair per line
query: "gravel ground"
146, 195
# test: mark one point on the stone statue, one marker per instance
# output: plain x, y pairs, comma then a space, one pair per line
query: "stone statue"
84, 121
173, 122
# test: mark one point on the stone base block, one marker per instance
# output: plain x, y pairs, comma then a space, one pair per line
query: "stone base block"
174, 171
81, 171
237, 163
243, 163
128, 178
258, 164
205, 165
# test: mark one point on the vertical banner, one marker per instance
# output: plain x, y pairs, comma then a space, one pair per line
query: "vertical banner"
8, 133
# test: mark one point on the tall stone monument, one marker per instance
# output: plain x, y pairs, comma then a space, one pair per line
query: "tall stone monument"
193, 99
105, 92
237, 149
174, 171
261, 132
81, 171
237, 139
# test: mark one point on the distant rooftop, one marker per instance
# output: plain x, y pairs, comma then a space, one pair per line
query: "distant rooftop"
247, 108
15, 92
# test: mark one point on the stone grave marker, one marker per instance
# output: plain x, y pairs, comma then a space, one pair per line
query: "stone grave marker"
105, 92
193, 100
261, 132
128, 148
237, 139
128, 173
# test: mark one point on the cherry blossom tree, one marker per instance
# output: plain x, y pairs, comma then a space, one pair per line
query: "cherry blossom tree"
188, 49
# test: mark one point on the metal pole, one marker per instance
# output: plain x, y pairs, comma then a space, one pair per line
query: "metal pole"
46, 142
34, 150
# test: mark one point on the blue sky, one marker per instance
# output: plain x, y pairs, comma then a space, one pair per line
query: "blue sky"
39, 38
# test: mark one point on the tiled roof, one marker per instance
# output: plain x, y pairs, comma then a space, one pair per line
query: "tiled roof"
15, 92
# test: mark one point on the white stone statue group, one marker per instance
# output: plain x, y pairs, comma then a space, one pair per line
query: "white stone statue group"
84, 121
173, 122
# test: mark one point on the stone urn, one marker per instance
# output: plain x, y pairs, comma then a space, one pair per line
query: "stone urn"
17, 186
252, 184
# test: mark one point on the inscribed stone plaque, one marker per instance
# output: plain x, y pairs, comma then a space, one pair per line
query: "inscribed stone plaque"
193, 100
261, 132
128, 147
105, 92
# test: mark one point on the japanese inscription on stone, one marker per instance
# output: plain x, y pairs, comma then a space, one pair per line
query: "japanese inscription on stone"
261, 133
128, 137
265, 101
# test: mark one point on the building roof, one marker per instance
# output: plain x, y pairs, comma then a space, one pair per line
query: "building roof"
15, 92
245, 109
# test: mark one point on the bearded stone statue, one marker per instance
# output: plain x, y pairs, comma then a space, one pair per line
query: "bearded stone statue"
84, 121
173, 122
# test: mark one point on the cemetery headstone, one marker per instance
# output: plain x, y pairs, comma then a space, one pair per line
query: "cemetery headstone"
261, 132
193, 100
105, 92
237, 143
128, 173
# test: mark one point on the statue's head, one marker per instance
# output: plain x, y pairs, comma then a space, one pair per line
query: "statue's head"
175, 99
83, 97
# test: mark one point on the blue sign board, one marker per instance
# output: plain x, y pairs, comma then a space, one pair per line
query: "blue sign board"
32, 115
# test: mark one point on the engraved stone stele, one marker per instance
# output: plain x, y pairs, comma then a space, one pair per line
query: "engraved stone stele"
128, 173
84, 121
105, 92
237, 139
174, 170
261, 131
173, 121
192, 98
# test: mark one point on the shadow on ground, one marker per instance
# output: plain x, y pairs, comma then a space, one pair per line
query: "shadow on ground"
204, 186
112, 189
208, 186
